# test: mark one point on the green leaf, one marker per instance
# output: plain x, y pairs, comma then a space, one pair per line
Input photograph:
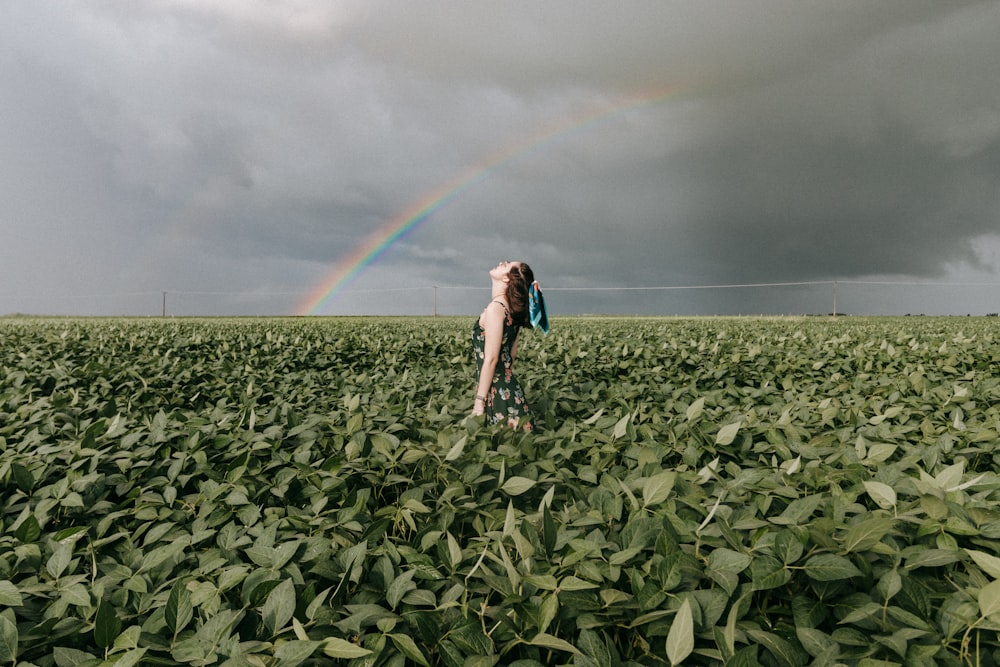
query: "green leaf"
510, 520
195, 650
657, 488
10, 596
950, 477
70, 534
594, 646
454, 551
883, 494
727, 434
889, 584
284, 553
866, 534
880, 452
898, 641
628, 493
549, 531
624, 556
256, 587
354, 560
515, 486
107, 625
680, 638
295, 652
362, 615
178, 611
830, 567
547, 611
695, 409
932, 558
409, 648
550, 641
354, 422
612, 596
724, 566
77, 594
784, 652
989, 563
989, 599
788, 547
29, 530
399, 587
767, 573
574, 583
936, 508
279, 606
128, 639
966, 612
315, 606
219, 627
8, 639
162, 554
799, 511
621, 428
71, 657
23, 479
727, 560
456, 449
468, 635
642, 619
745, 657
130, 658
334, 647
817, 643
862, 613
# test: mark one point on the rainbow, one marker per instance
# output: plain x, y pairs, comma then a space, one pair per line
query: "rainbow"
398, 227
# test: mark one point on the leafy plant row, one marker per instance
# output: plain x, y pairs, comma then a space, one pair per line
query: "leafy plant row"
308, 491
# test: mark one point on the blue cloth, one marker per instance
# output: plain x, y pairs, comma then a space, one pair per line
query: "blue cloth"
536, 309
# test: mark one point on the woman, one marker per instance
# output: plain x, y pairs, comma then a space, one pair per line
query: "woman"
516, 302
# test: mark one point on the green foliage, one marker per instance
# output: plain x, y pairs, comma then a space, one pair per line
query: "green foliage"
701, 491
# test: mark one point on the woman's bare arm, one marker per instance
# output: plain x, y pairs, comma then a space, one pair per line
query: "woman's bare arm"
492, 323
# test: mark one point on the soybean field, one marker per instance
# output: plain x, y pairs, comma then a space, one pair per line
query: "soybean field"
313, 491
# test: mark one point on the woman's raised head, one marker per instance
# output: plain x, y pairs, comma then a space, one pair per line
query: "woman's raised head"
519, 279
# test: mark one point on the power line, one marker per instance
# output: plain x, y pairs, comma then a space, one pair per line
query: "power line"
831, 283
547, 288
177, 297
683, 287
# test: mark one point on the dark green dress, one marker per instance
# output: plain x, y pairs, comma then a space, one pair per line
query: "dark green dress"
505, 399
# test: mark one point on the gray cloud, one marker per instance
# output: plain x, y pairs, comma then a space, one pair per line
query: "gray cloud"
237, 152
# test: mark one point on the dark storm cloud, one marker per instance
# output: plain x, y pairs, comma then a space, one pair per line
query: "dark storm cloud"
889, 206
223, 146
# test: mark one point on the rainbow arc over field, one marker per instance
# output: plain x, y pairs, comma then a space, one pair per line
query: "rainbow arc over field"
399, 226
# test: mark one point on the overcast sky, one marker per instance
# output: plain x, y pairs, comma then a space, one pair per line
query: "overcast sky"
234, 154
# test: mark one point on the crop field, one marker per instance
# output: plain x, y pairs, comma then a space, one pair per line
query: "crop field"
280, 492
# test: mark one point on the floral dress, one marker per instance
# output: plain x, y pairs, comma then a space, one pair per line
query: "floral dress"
505, 399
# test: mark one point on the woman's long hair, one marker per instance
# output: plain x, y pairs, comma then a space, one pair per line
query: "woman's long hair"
521, 277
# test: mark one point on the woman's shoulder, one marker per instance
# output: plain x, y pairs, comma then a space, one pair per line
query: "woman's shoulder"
494, 311
497, 306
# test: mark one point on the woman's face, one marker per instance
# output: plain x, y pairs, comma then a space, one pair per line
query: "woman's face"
499, 271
